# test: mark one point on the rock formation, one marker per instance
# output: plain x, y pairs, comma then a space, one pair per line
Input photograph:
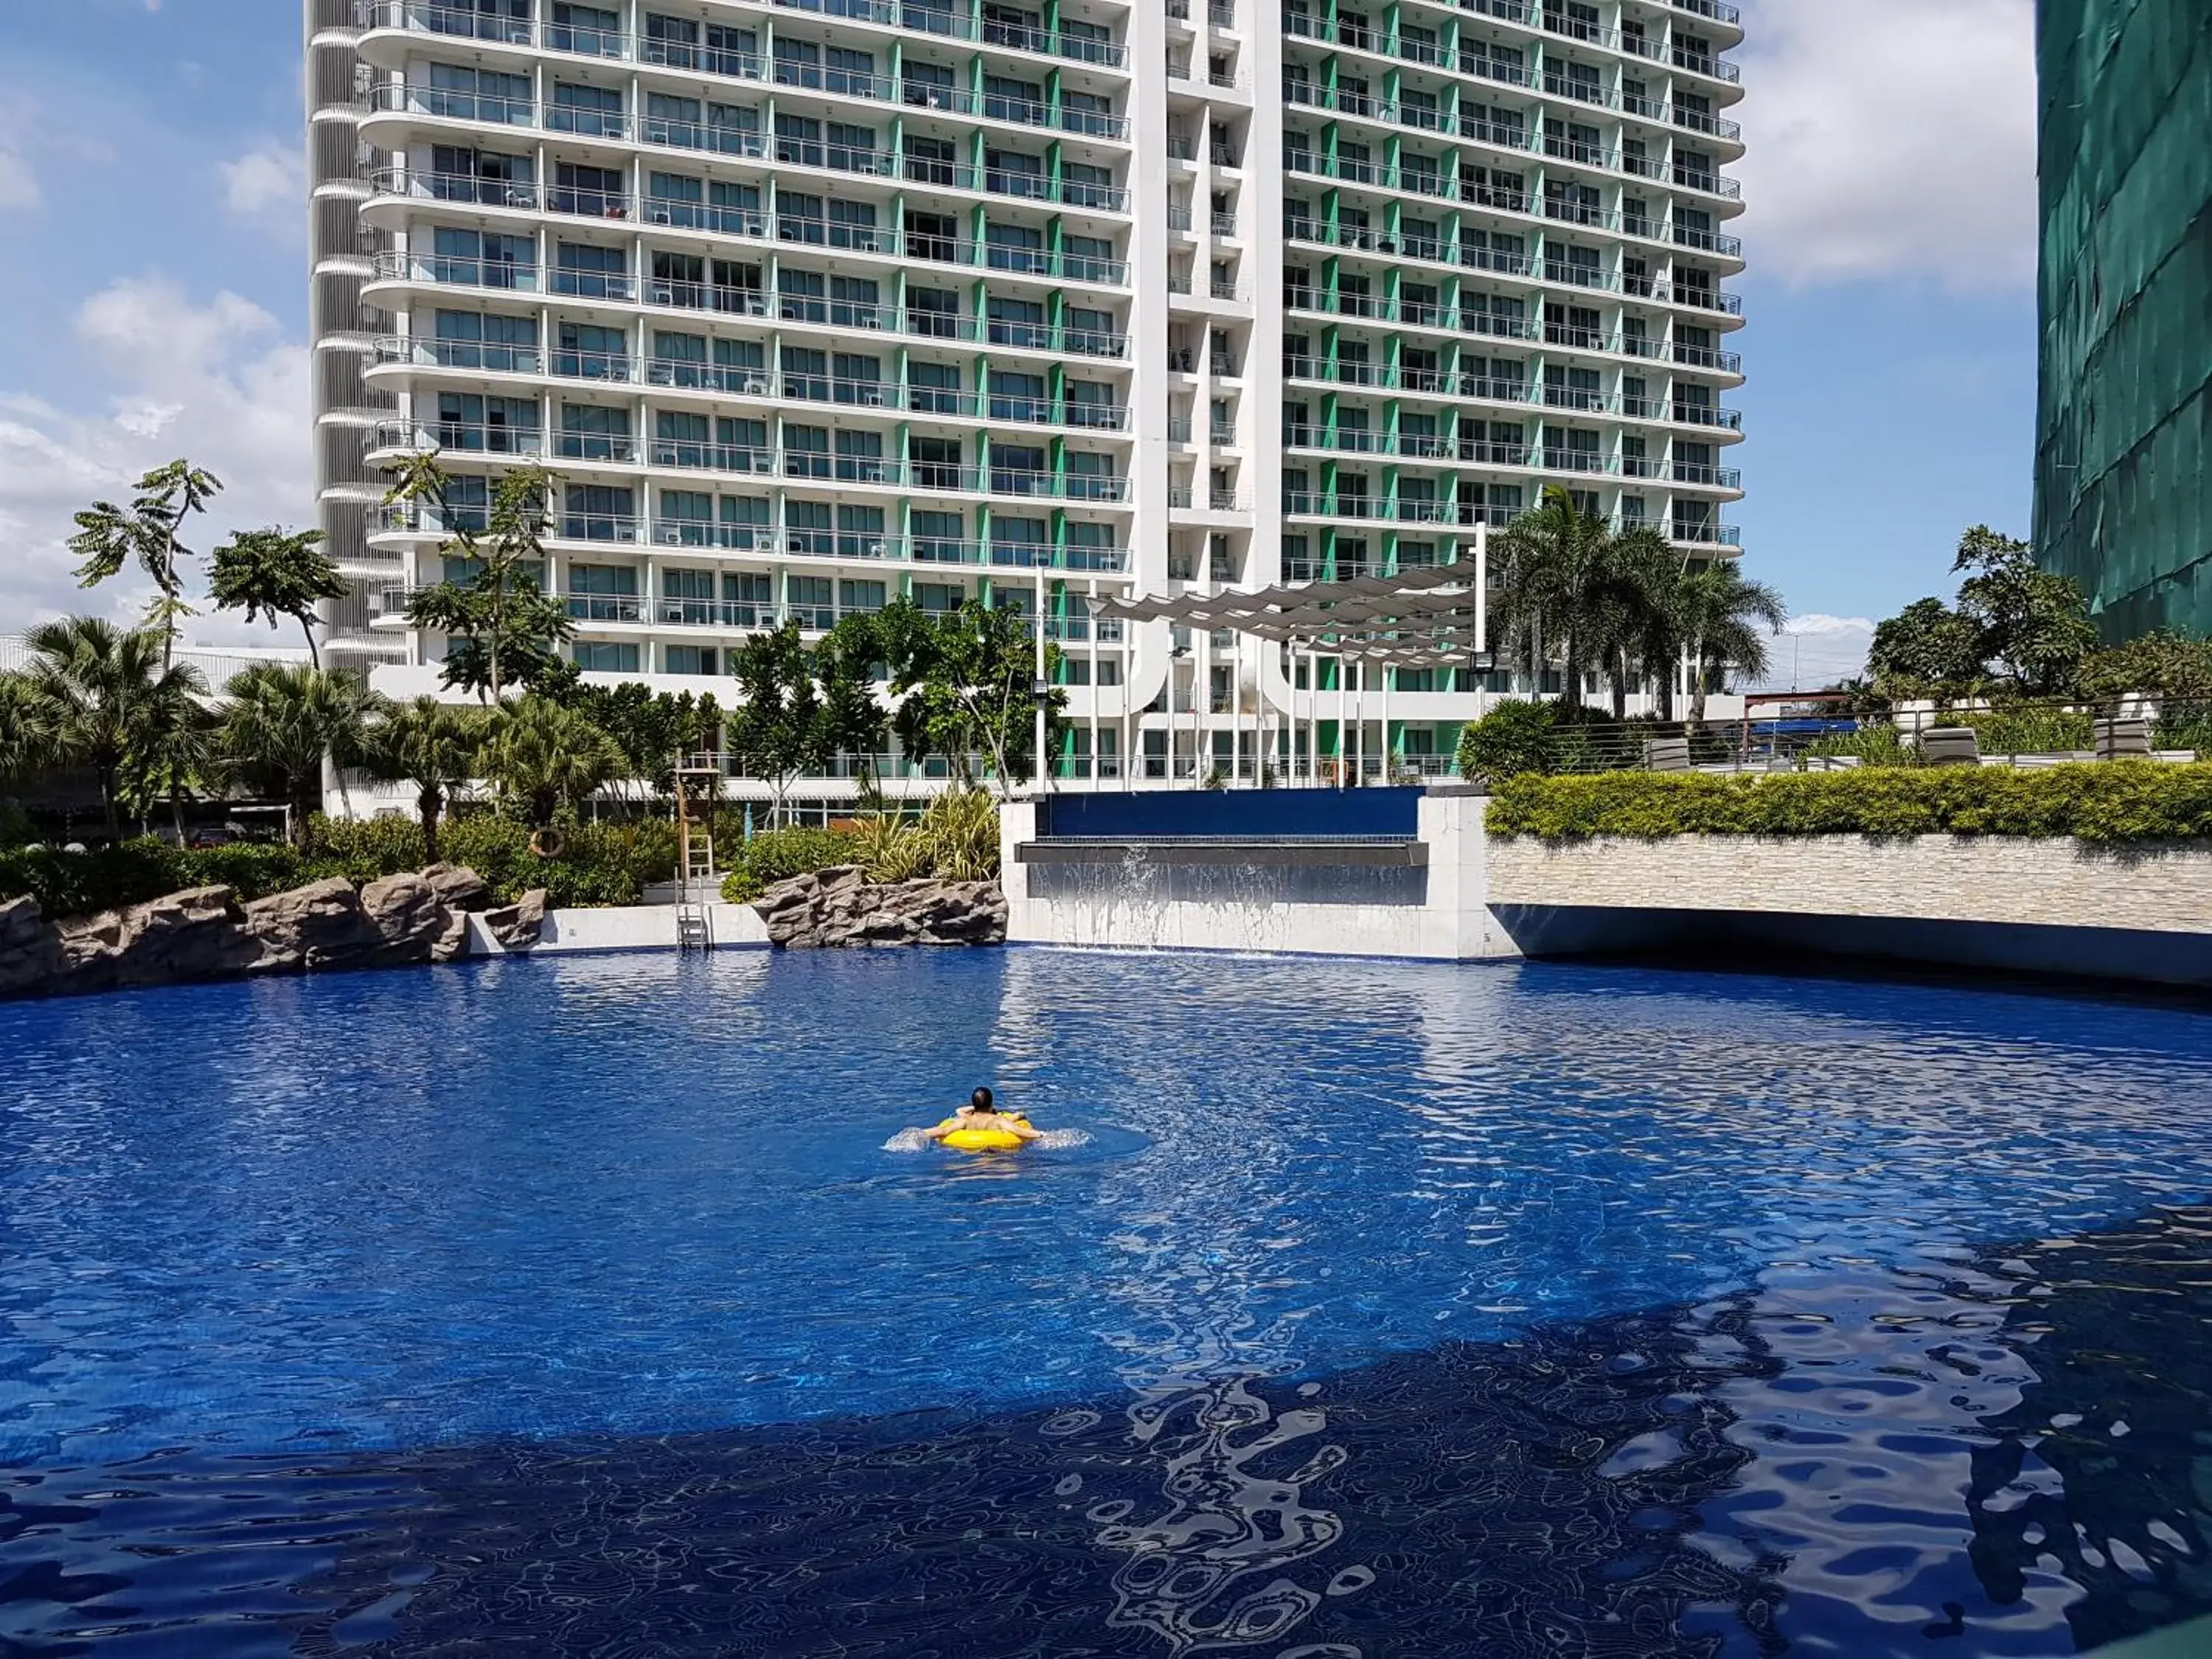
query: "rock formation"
516, 926
207, 933
839, 906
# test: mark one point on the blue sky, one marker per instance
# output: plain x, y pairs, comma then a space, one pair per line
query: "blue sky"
152, 262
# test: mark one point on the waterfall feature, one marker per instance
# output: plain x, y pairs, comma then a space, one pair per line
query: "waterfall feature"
1361, 872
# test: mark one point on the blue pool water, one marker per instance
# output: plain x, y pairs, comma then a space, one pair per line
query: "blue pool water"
581, 1307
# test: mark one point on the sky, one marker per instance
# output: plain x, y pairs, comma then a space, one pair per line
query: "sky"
153, 255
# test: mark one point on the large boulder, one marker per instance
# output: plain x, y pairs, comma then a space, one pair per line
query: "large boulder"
205, 933
195, 934
517, 925
458, 887
30, 945
840, 908
411, 921
305, 928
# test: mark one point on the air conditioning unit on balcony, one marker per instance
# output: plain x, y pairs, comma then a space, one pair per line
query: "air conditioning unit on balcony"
756, 388
796, 544
662, 217
879, 550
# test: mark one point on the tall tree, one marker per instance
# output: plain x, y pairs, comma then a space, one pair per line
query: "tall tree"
963, 681
783, 724
1927, 646
148, 533
284, 719
1566, 586
105, 700
850, 665
270, 572
1636, 625
2032, 624
504, 625
542, 756
26, 739
1726, 621
431, 745
650, 728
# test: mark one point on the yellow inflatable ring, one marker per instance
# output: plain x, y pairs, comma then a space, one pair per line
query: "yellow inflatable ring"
984, 1140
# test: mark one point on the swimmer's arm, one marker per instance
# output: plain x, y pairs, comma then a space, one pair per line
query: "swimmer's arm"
936, 1133
1023, 1132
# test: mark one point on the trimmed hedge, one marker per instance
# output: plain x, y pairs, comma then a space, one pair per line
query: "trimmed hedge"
2111, 802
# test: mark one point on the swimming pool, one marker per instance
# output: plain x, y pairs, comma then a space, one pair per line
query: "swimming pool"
581, 1307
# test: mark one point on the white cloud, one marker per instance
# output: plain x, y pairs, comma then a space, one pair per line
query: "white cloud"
213, 381
268, 185
1891, 138
1814, 651
19, 185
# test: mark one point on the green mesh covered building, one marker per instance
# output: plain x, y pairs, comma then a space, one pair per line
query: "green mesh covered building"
2124, 452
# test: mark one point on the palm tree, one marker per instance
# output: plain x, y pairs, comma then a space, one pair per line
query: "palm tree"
176, 748
1566, 580
26, 740
431, 746
1726, 622
273, 574
107, 699
285, 720
543, 754
145, 533
1636, 626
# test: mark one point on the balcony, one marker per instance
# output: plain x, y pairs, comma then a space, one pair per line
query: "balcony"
1519, 138
525, 443
722, 139
399, 265
429, 17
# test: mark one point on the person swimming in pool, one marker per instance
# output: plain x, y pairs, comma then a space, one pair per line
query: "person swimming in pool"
981, 1112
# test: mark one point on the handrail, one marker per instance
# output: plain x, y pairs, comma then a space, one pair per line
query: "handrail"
1521, 138
428, 16
1441, 186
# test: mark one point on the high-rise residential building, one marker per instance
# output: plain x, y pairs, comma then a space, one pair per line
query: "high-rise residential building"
814, 303
2124, 439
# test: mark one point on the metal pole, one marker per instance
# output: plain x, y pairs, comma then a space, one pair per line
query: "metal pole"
1202, 701
1481, 588
1386, 723
1171, 725
1235, 707
1037, 687
1312, 717
1095, 624
1343, 714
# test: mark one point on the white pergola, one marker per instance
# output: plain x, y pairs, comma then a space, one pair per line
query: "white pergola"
1429, 617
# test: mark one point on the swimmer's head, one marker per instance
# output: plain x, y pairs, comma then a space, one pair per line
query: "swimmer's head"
980, 1102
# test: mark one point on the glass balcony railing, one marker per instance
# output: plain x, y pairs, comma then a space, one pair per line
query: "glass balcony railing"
456, 20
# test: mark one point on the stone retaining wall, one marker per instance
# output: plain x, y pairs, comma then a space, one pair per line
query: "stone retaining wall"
2040, 882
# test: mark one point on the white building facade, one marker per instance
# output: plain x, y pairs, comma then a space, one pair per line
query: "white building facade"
809, 306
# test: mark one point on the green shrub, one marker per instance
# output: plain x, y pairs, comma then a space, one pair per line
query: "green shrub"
777, 855
2111, 802
599, 865
1516, 737
2190, 729
133, 872
2027, 730
1875, 745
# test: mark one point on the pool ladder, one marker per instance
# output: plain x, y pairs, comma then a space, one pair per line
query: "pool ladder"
693, 931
